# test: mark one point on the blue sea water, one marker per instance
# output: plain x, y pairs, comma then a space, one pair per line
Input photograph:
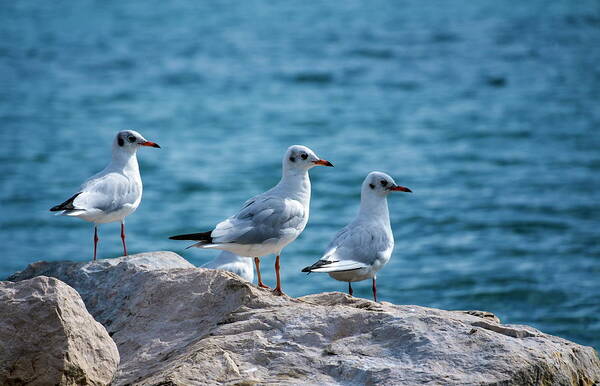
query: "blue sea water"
488, 111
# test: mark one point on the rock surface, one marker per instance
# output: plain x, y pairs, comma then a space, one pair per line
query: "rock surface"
183, 326
47, 337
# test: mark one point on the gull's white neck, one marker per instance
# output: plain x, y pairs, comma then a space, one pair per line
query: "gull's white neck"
374, 208
295, 184
124, 161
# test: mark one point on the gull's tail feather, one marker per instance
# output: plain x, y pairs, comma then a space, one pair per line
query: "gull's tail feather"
200, 244
334, 266
74, 213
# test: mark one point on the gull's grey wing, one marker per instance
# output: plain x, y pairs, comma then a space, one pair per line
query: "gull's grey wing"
355, 246
260, 220
109, 192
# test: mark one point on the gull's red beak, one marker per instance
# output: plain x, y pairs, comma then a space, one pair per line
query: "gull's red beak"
398, 188
323, 162
151, 144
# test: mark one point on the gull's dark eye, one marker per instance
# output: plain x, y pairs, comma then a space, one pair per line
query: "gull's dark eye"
304, 156
372, 186
293, 159
383, 183
131, 139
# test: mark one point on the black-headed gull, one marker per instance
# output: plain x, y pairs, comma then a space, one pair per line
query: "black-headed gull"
364, 246
227, 261
115, 192
270, 221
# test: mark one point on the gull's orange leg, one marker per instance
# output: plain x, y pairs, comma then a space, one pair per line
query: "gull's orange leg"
259, 282
277, 291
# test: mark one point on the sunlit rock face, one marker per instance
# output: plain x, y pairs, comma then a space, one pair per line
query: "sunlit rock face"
47, 337
179, 325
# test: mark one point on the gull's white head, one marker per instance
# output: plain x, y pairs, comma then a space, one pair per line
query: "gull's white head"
301, 158
379, 184
130, 140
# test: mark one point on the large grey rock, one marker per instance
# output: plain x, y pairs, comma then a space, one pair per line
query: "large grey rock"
195, 326
47, 337
94, 279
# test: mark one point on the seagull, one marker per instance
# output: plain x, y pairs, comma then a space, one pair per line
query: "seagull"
113, 193
364, 246
227, 261
268, 222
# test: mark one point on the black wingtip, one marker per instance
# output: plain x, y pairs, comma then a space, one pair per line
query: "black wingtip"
318, 264
181, 237
203, 236
67, 205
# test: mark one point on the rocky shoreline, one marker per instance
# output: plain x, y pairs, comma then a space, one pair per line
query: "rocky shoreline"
173, 324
